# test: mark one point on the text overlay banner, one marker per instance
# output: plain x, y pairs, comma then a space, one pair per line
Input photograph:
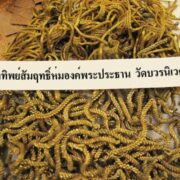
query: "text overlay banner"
94, 74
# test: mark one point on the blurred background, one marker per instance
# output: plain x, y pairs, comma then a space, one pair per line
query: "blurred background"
14, 15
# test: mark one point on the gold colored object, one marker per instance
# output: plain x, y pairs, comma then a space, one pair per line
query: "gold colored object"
101, 134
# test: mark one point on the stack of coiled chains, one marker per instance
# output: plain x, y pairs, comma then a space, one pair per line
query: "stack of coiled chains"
101, 134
